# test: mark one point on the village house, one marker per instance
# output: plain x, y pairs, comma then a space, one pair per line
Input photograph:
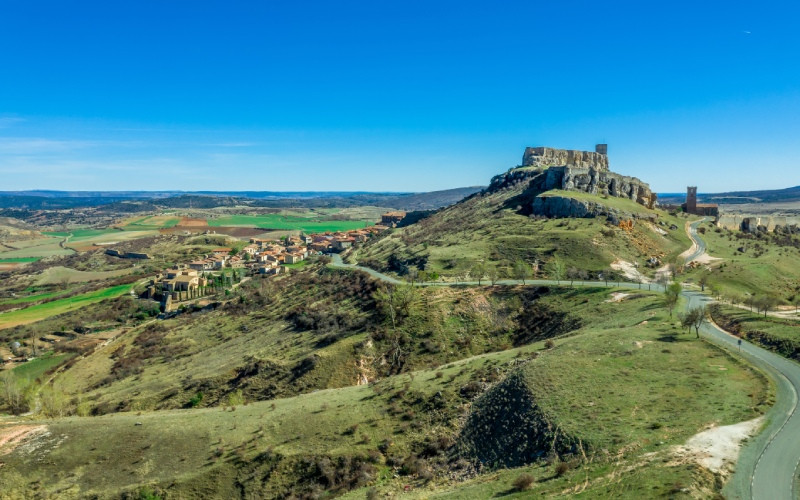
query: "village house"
293, 258
323, 246
222, 252
392, 218
236, 262
269, 270
342, 243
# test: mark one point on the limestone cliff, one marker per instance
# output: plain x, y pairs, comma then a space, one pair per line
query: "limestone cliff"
545, 169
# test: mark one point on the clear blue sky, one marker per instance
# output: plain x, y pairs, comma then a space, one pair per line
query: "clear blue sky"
393, 96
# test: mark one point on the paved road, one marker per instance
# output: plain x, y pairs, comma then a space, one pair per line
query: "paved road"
767, 466
699, 244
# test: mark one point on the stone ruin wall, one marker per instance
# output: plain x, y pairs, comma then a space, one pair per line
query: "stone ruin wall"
549, 157
748, 222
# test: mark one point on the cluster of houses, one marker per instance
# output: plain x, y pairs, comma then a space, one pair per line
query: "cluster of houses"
218, 259
259, 256
267, 256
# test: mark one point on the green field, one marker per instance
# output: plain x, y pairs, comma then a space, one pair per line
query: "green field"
18, 260
59, 275
81, 234
41, 311
151, 222
289, 222
34, 369
36, 248
33, 298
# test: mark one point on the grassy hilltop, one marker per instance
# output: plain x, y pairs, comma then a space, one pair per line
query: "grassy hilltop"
495, 228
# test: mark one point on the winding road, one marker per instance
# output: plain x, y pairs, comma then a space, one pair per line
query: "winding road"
768, 463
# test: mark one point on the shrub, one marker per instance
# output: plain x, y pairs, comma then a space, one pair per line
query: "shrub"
524, 482
195, 400
562, 468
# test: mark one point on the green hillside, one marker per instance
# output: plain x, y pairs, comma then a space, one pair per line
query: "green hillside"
621, 390
324, 382
495, 228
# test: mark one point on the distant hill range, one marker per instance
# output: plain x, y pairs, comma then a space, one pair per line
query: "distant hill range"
134, 201
787, 195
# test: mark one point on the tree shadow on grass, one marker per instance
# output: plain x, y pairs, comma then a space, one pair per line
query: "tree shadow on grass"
670, 338
501, 494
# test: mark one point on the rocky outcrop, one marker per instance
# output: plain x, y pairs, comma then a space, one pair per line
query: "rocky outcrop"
588, 180
546, 169
558, 207
548, 157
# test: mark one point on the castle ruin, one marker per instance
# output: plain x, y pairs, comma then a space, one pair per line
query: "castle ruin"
549, 157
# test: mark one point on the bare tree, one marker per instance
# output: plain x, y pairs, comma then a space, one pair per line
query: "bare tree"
572, 275
687, 320
699, 317
703, 280
412, 274
766, 303
493, 274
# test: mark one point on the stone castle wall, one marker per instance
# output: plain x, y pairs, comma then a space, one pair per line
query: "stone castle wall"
548, 157
749, 223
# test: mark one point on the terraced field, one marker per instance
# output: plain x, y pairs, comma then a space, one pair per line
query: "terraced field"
150, 223
289, 222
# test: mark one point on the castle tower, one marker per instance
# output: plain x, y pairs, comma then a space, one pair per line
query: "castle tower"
601, 148
691, 199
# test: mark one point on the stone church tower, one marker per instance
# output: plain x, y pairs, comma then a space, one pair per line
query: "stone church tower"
691, 199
